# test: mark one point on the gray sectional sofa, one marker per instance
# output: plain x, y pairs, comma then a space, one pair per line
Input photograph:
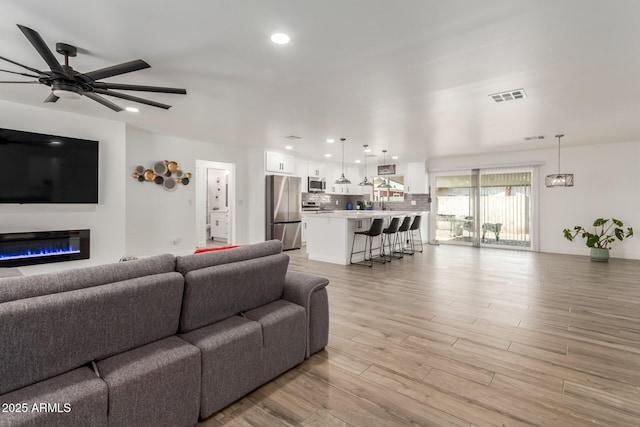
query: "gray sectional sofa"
161, 341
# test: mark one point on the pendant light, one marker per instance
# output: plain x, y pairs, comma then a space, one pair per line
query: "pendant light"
559, 179
366, 180
385, 183
343, 179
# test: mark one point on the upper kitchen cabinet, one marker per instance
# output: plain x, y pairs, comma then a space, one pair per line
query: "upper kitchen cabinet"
280, 163
318, 170
415, 179
302, 167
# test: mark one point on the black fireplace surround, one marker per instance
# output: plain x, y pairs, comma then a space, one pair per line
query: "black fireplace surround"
40, 247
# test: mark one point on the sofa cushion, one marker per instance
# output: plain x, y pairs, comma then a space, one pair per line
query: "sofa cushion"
76, 398
232, 361
154, 385
185, 264
283, 335
219, 292
52, 334
15, 288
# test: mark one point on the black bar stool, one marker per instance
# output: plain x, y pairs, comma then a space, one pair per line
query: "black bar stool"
403, 238
415, 225
392, 229
374, 230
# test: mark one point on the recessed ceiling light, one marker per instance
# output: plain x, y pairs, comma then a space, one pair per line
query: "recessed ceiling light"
357, 161
394, 157
327, 155
280, 38
55, 142
331, 141
289, 147
132, 109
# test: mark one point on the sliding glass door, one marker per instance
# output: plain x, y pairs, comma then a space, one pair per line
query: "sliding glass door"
485, 207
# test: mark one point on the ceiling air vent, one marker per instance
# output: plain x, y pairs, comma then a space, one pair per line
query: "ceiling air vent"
533, 138
509, 95
292, 137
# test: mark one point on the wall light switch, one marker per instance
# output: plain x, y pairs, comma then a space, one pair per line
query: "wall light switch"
413, 203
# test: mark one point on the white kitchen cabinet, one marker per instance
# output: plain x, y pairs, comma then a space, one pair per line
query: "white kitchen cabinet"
280, 163
304, 229
415, 180
302, 167
317, 170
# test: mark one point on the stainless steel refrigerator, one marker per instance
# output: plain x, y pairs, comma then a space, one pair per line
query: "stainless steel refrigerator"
284, 210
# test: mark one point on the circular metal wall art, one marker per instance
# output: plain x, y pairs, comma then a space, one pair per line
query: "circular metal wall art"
170, 184
166, 173
173, 166
160, 168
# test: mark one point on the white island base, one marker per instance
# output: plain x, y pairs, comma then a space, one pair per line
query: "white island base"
330, 235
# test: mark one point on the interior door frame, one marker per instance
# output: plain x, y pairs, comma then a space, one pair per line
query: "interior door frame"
201, 200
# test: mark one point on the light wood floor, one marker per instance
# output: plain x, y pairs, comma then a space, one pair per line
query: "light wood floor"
466, 337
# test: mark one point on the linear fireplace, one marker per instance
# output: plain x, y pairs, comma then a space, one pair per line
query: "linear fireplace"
39, 247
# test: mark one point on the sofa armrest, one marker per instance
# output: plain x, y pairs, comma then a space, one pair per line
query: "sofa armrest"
309, 291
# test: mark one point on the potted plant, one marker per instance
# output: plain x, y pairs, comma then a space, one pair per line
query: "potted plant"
605, 233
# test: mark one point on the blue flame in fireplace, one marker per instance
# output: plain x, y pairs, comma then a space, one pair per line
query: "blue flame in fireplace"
43, 252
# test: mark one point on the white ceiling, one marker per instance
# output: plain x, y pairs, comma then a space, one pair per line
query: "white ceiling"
409, 76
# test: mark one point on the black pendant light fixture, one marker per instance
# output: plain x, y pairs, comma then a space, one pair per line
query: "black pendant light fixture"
366, 180
343, 179
559, 179
385, 182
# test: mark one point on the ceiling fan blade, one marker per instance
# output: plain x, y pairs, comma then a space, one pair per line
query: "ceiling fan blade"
132, 98
40, 45
20, 74
116, 70
103, 101
51, 98
33, 70
30, 82
158, 89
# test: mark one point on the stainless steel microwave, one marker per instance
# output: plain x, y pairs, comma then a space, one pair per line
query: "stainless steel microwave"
317, 185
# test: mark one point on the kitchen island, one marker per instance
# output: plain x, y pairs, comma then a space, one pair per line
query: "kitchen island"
329, 235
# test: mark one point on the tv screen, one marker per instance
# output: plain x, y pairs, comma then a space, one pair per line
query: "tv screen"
38, 168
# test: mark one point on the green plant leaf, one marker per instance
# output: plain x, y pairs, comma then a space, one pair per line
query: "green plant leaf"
619, 233
600, 221
592, 240
617, 222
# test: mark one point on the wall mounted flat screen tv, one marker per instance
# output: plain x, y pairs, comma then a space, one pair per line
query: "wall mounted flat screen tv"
38, 168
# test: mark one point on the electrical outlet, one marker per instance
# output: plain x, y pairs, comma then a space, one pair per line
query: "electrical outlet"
337, 203
413, 203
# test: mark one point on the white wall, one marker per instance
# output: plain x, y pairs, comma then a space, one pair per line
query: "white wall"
160, 221
607, 182
106, 220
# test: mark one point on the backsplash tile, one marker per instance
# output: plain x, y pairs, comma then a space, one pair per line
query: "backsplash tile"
328, 202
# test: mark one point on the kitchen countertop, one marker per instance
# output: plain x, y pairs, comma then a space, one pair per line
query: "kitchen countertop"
359, 214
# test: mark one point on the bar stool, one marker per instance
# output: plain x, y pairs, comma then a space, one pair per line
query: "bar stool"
392, 229
415, 225
374, 230
402, 234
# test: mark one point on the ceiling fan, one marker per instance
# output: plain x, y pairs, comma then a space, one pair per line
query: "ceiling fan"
65, 82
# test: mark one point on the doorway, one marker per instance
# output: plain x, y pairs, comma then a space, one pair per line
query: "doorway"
485, 207
215, 203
